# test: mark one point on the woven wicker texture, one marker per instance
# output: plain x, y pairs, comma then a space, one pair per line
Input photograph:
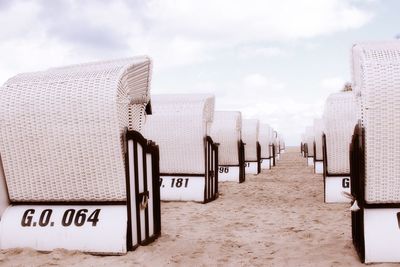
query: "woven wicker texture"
318, 130
226, 130
193, 104
371, 52
179, 125
61, 130
250, 132
340, 118
310, 140
379, 85
265, 138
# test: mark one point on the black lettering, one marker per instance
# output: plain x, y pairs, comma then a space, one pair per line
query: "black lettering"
80, 217
94, 217
45, 217
68, 217
179, 182
27, 218
345, 182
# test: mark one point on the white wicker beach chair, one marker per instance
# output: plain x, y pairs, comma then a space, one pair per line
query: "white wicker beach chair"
278, 146
375, 167
272, 150
188, 156
226, 130
250, 136
68, 159
282, 145
265, 140
303, 145
339, 118
318, 151
274, 147
310, 145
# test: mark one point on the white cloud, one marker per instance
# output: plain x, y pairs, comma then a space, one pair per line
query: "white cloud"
255, 80
257, 20
19, 20
35, 55
255, 51
333, 83
181, 32
263, 97
178, 51
181, 35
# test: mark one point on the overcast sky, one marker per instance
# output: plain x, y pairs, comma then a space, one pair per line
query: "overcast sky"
276, 60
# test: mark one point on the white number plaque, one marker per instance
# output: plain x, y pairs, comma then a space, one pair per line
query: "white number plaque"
97, 229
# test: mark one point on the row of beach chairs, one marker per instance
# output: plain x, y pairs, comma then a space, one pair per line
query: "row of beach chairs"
87, 154
360, 135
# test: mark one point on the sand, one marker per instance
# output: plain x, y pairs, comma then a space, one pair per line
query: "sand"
276, 218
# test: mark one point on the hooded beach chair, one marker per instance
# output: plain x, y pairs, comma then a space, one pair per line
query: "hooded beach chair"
375, 168
274, 147
339, 118
75, 176
250, 136
265, 140
310, 145
282, 145
303, 145
278, 146
180, 124
226, 130
318, 152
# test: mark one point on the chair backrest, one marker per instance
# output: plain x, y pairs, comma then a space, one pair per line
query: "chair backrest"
265, 139
318, 131
179, 124
226, 130
376, 72
250, 136
62, 130
339, 118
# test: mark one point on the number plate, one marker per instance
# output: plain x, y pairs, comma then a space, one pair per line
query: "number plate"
265, 164
181, 188
251, 167
97, 229
228, 173
382, 235
334, 186
319, 167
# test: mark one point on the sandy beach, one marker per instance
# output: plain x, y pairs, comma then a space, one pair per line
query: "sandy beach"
276, 218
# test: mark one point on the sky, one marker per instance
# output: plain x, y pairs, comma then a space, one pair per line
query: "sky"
275, 60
